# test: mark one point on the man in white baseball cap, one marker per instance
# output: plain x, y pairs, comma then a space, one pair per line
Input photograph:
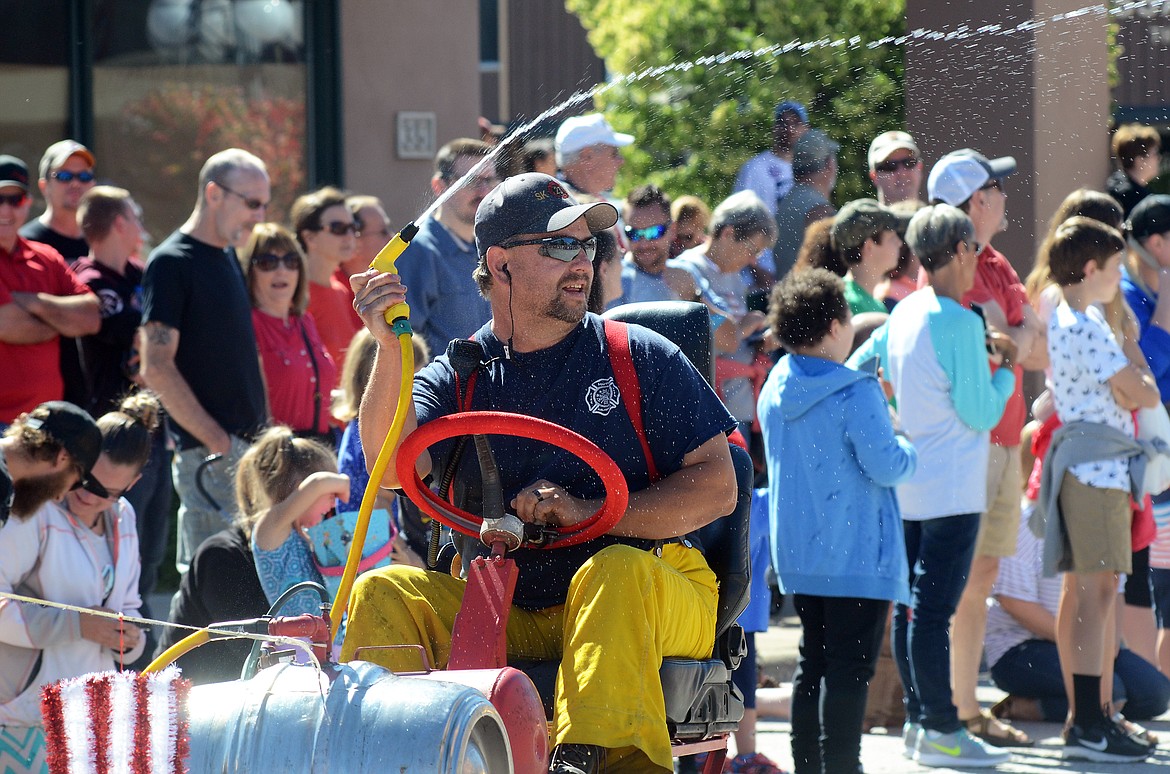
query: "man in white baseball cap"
895, 167
587, 150
976, 184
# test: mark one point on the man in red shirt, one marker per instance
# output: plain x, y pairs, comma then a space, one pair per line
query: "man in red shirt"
40, 301
969, 180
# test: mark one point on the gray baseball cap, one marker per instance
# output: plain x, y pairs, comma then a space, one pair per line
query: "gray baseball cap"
533, 203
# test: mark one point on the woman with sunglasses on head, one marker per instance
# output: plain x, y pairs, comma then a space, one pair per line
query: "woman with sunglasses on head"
299, 372
326, 231
82, 551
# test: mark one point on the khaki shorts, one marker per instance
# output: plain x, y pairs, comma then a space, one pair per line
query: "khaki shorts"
1000, 525
1096, 525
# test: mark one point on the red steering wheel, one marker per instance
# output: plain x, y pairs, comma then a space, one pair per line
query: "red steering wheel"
503, 423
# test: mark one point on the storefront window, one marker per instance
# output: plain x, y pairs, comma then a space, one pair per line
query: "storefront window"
174, 81
34, 77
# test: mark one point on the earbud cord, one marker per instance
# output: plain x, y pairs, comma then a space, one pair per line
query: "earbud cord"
511, 323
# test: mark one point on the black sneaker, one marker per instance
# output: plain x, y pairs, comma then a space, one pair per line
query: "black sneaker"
576, 759
1108, 743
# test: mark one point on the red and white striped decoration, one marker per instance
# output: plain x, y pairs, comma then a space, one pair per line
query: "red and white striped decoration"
115, 722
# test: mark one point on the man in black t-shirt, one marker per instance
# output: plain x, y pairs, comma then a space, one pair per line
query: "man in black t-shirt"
199, 350
66, 174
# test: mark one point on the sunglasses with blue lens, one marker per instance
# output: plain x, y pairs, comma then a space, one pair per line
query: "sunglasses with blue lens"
62, 176
648, 233
563, 248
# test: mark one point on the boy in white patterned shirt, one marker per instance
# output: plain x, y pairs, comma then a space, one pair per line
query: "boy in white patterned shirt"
1092, 382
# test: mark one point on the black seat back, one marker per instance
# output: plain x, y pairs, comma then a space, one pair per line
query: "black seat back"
727, 547
685, 323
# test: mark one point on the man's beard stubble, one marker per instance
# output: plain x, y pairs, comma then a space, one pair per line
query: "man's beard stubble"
31, 493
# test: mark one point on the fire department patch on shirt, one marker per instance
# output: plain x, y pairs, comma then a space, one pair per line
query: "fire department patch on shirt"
602, 396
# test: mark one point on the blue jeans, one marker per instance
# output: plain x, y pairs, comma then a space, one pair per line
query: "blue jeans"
1032, 670
939, 552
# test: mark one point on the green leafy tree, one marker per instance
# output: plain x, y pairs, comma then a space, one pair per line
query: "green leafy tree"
697, 124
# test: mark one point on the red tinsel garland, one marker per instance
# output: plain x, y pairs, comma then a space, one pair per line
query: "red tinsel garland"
98, 692
141, 763
53, 714
182, 740
89, 702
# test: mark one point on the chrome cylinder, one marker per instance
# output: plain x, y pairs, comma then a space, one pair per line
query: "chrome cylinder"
352, 718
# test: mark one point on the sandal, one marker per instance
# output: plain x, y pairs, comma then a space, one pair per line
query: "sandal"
996, 732
1017, 708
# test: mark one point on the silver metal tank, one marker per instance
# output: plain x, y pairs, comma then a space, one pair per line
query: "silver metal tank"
354, 718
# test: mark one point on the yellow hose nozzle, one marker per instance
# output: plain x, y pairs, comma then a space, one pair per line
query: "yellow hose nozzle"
384, 262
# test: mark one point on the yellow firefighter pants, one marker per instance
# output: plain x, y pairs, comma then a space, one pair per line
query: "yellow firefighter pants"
626, 610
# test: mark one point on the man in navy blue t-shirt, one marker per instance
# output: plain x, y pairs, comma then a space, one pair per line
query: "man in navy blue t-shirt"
611, 608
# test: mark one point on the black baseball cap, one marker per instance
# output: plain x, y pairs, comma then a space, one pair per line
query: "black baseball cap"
71, 427
1150, 216
533, 203
13, 172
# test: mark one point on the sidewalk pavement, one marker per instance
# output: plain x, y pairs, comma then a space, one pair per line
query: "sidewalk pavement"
882, 753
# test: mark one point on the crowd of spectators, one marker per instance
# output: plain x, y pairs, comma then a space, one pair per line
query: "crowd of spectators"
912, 448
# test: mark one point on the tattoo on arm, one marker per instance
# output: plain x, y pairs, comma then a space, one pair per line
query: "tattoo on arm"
158, 334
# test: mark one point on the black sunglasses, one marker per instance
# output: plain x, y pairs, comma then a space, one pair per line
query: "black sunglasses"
269, 261
13, 200
97, 489
249, 202
563, 248
893, 164
994, 183
63, 176
339, 228
648, 233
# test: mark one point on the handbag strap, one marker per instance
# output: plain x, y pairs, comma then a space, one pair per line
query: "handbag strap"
316, 374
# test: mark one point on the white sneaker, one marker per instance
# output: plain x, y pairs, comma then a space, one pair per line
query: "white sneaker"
910, 732
957, 749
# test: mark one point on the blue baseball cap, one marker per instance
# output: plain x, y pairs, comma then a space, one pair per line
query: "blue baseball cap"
790, 105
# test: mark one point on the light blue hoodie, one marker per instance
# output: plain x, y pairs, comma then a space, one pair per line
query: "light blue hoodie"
833, 462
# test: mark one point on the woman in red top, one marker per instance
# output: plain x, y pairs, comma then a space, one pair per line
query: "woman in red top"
299, 372
325, 229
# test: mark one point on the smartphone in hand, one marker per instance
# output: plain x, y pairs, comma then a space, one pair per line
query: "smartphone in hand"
983, 319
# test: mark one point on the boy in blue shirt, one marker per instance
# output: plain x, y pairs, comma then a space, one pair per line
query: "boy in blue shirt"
836, 529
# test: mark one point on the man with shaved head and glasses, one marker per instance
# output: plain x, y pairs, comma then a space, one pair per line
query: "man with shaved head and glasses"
41, 300
542, 354
197, 343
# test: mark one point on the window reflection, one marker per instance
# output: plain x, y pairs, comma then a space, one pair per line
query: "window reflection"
34, 77
177, 80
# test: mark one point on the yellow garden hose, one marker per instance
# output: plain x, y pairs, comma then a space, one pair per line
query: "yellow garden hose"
178, 650
398, 316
